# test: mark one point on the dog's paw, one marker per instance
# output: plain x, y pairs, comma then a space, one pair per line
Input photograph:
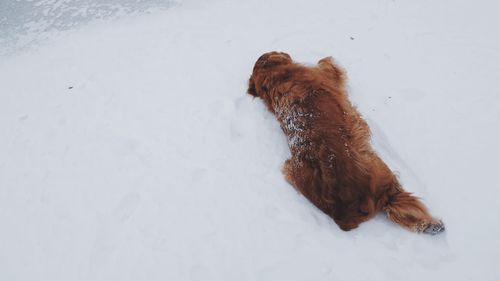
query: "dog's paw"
434, 228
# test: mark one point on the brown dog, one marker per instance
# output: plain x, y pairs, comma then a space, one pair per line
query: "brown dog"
332, 161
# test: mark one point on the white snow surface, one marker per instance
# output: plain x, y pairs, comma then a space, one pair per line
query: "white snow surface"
130, 150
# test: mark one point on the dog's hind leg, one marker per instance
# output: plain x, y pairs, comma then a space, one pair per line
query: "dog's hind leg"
307, 181
406, 210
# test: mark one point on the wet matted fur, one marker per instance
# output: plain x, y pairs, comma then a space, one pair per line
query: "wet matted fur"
332, 163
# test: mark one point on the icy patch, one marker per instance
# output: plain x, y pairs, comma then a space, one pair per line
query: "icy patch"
26, 22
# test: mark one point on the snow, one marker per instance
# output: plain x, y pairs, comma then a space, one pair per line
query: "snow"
130, 150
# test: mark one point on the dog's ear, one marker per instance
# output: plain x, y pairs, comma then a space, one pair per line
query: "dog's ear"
251, 87
333, 70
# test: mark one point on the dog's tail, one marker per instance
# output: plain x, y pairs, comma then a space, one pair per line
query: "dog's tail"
406, 210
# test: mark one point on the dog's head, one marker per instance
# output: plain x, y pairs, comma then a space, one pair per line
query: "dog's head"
264, 65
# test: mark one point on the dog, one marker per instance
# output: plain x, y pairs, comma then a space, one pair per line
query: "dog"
332, 162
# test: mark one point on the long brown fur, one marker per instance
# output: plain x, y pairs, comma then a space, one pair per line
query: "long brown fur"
332, 162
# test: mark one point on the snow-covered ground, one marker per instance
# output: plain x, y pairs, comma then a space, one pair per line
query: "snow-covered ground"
130, 151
